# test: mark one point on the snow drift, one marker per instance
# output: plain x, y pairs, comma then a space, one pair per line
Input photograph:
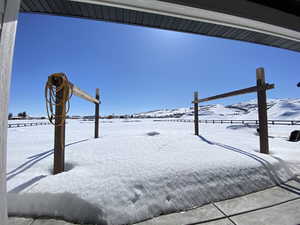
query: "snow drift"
127, 176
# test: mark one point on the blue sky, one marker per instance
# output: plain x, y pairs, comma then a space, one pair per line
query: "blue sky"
138, 69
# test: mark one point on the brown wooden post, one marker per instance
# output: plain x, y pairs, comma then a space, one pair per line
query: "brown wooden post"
59, 132
196, 115
97, 113
262, 110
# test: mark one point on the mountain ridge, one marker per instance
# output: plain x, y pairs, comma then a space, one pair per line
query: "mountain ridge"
283, 109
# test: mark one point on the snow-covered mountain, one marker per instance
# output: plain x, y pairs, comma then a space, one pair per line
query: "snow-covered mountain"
278, 109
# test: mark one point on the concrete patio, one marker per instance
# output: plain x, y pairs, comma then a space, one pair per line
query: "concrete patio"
279, 205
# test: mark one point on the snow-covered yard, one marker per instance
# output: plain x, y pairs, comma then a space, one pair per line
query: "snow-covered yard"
141, 169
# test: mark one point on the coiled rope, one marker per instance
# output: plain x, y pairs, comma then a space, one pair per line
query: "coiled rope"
57, 84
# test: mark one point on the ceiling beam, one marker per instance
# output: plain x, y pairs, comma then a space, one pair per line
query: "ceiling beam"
203, 15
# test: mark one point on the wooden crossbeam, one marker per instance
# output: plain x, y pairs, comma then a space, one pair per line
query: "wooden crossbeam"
82, 94
234, 93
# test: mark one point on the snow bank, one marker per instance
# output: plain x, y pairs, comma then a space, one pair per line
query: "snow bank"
64, 205
127, 176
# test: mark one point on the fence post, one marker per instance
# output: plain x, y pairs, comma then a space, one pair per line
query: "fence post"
262, 111
97, 113
59, 133
196, 116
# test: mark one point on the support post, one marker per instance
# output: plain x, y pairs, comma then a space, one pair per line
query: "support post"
8, 24
262, 110
196, 115
59, 133
97, 113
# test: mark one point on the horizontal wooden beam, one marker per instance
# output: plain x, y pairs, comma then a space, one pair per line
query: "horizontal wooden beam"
82, 94
210, 15
234, 93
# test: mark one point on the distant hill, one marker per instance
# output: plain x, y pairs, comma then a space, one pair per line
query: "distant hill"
278, 109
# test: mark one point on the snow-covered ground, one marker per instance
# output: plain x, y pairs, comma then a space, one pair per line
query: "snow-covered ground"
141, 169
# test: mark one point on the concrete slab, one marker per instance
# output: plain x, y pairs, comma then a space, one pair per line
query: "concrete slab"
19, 221
50, 222
219, 222
294, 184
256, 200
286, 213
197, 215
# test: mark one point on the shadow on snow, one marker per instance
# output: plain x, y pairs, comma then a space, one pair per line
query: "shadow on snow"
267, 165
33, 160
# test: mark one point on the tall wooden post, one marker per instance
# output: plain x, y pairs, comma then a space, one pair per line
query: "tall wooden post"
196, 115
262, 110
97, 113
8, 24
59, 133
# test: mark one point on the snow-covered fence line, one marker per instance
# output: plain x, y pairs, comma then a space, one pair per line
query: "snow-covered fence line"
13, 125
270, 122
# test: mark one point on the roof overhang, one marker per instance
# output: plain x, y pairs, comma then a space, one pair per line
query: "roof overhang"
233, 19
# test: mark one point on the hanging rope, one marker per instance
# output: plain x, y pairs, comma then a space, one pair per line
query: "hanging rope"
57, 82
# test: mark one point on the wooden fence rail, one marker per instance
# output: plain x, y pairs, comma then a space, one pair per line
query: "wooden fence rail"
251, 122
13, 125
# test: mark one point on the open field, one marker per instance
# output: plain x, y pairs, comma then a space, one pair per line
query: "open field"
139, 169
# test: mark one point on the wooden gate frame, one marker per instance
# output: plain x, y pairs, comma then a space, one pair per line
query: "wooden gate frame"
260, 88
60, 107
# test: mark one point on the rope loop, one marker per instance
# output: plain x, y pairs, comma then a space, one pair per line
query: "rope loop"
58, 91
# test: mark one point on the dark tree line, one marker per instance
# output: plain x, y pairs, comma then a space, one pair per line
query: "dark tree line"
20, 114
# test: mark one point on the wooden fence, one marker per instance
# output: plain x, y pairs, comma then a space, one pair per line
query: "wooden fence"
261, 89
252, 122
13, 125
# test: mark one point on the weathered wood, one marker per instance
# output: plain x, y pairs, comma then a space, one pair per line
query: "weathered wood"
8, 22
63, 89
234, 93
59, 132
97, 114
82, 94
196, 115
76, 90
262, 111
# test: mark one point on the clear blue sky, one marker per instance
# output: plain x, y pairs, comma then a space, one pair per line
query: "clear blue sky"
138, 69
